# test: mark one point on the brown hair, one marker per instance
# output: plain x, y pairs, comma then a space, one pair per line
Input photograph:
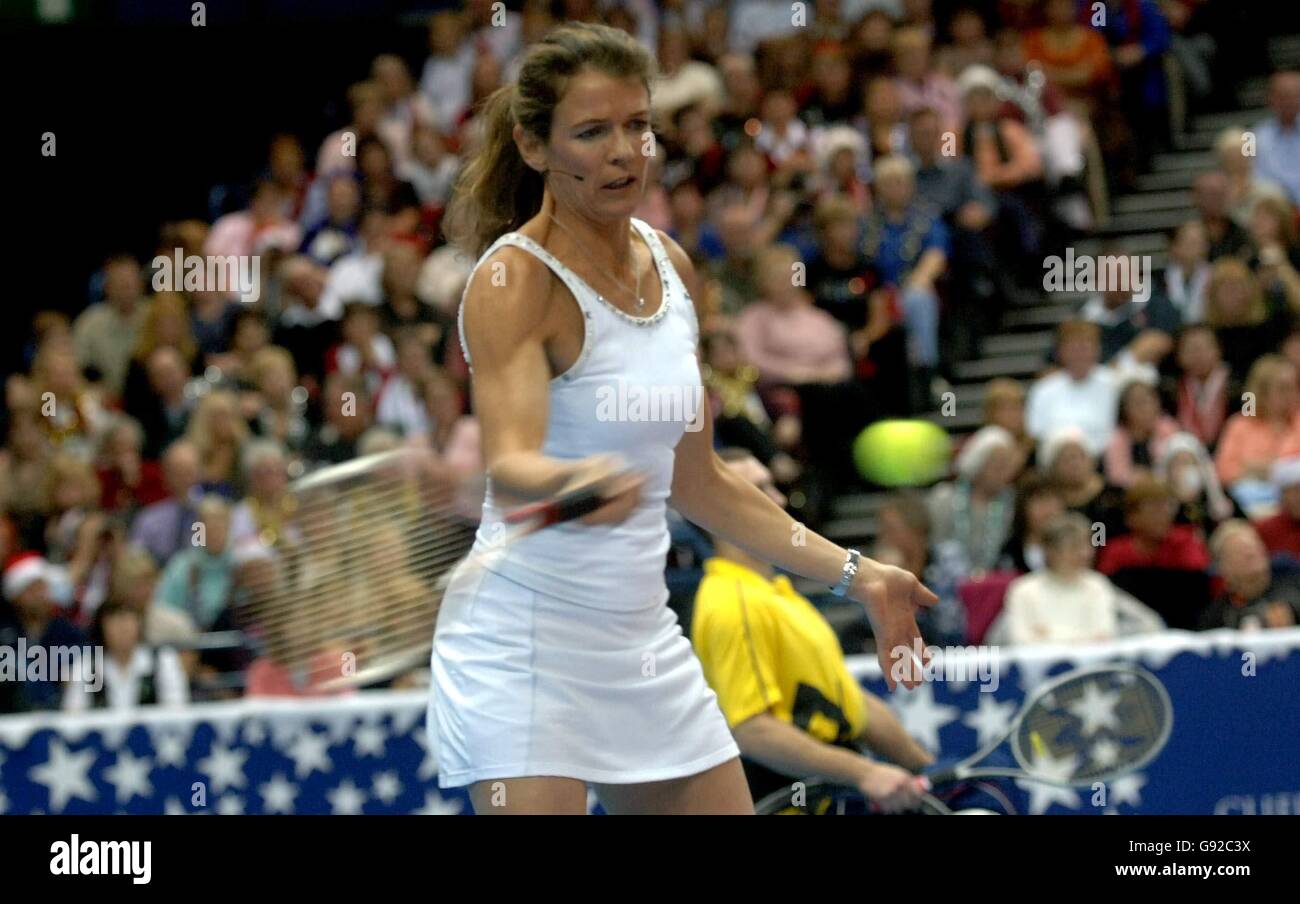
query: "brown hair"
1001, 390
1144, 490
1227, 269
1262, 374
496, 191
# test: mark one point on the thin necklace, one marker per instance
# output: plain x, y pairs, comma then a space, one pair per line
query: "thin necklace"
636, 293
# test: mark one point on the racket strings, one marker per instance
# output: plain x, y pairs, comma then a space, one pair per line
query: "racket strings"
350, 592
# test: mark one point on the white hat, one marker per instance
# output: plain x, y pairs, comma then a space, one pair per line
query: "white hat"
23, 572
978, 76
975, 453
1051, 446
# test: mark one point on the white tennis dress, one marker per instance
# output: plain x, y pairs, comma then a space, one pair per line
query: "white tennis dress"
562, 657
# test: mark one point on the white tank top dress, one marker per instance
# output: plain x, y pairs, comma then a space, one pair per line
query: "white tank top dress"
561, 657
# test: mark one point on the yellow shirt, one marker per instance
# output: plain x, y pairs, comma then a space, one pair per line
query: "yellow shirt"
765, 648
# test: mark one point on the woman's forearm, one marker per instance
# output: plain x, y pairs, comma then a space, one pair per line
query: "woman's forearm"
730, 507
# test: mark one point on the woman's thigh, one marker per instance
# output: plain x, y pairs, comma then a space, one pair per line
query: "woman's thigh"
535, 795
721, 790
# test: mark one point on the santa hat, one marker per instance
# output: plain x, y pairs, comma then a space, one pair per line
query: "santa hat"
22, 571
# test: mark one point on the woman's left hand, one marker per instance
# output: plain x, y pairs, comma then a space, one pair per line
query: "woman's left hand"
892, 597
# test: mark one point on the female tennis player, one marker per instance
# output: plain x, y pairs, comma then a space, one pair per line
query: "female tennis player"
560, 665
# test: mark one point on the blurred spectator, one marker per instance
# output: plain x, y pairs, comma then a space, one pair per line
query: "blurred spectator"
683, 81
24, 465
1081, 393
135, 580
346, 406
305, 327
1205, 388
830, 98
402, 308
430, 167
364, 349
134, 673
903, 540
381, 189
1067, 601
1143, 329
909, 244
1186, 468
197, 580
336, 235
1281, 532
1210, 198
1162, 564
1139, 437
262, 226
1073, 56
919, 84
1255, 595
740, 417
1247, 321
1267, 428
127, 481
1275, 250
1038, 500
1064, 456
1004, 406
1187, 275
1278, 137
105, 333
72, 493
166, 526
166, 325
1139, 36
217, 433
70, 409
287, 167
1245, 187
841, 167
263, 515
975, 511
445, 81
212, 323
281, 403
400, 405
970, 45
163, 413
340, 150
30, 616
404, 108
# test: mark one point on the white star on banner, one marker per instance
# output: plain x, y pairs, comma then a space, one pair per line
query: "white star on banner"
338, 726
1046, 766
404, 719
113, 737
1105, 753
224, 731
129, 776
254, 733
1042, 796
593, 801
1032, 672
169, 747
278, 795
66, 775
224, 768
387, 787
369, 740
1096, 709
1127, 789
437, 805
230, 805
4, 802
309, 752
346, 799
921, 716
287, 727
990, 719
174, 807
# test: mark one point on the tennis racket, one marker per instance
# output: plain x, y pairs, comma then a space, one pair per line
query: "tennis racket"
818, 797
346, 592
1085, 726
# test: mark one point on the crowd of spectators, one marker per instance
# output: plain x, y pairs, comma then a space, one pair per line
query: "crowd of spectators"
918, 168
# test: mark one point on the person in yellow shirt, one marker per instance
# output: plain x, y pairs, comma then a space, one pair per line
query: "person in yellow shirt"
782, 683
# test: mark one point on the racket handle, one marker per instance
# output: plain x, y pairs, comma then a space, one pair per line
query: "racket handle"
565, 507
942, 777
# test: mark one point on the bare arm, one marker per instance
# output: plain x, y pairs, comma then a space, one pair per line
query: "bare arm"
708, 493
885, 736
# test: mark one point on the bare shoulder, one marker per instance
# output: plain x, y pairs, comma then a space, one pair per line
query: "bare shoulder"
508, 295
681, 262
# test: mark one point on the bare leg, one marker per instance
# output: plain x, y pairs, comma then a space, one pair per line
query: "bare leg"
535, 795
721, 790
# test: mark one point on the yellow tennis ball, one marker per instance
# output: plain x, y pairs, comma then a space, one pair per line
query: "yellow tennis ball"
902, 453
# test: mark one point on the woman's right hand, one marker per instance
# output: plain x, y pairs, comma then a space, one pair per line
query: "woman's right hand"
610, 474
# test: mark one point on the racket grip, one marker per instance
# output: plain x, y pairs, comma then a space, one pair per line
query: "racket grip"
565, 507
942, 777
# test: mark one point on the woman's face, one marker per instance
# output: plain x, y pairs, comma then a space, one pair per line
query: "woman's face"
1070, 556
1041, 508
1009, 414
1141, 409
1000, 468
1190, 245
600, 131
1198, 353
843, 165
1233, 299
121, 632
1072, 466
221, 420
1281, 395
